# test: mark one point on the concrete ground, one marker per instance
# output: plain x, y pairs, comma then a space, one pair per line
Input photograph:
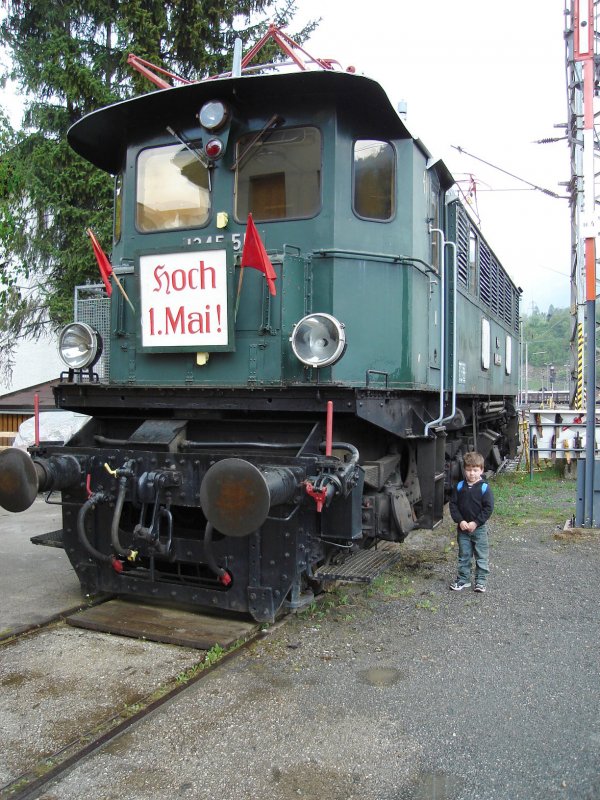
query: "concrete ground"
37, 582
404, 692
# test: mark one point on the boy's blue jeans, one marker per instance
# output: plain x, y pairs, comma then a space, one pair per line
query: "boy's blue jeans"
473, 545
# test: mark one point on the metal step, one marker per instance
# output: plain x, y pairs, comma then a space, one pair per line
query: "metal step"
364, 566
52, 539
509, 465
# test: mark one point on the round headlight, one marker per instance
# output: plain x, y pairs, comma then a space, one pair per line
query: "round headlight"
318, 340
213, 115
79, 346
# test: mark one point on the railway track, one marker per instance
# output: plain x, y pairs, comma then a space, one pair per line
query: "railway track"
70, 686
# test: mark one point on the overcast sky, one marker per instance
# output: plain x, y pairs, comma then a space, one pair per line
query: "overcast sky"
489, 77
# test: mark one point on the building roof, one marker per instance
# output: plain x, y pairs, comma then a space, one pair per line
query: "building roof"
22, 400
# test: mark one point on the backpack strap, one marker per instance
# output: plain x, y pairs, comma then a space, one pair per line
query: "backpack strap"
459, 485
484, 488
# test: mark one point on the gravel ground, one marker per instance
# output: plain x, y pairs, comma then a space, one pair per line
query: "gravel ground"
60, 683
404, 692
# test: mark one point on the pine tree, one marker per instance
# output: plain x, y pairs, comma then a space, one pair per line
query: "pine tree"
70, 58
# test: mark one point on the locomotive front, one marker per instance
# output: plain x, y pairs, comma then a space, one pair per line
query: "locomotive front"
207, 473
276, 367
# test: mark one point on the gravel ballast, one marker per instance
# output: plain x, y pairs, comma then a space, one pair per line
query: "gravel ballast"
401, 692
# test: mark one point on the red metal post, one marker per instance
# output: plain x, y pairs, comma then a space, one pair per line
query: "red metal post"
36, 417
329, 429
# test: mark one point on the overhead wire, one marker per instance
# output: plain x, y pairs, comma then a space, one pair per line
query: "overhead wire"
536, 186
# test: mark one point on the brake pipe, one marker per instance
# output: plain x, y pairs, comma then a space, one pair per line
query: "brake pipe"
89, 505
124, 474
114, 528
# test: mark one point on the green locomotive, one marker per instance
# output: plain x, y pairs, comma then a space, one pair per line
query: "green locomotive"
308, 334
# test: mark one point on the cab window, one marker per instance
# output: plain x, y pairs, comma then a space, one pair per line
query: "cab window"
172, 189
279, 176
118, 208
434, 216
374, 179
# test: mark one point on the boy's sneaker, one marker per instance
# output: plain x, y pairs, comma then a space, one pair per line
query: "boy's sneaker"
479, 587
458, 586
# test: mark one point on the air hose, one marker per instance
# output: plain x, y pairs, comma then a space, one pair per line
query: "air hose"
222, 574
89, 505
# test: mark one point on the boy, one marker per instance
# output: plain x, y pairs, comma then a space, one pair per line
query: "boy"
471, 506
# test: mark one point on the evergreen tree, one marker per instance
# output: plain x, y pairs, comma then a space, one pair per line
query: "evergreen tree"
70, 58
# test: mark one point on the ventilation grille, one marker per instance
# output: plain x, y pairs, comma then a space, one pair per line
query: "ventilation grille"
92, 307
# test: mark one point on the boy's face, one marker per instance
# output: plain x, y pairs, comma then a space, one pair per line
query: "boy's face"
473, 474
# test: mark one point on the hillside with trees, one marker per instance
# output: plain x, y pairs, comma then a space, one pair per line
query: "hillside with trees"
548, 336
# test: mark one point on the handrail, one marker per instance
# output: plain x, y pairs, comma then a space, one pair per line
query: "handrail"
442, 252
454, 327
395, 258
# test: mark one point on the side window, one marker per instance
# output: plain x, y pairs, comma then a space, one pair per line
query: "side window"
508, 356
485, 343
374, 168
472, 261
279, 177
172, 189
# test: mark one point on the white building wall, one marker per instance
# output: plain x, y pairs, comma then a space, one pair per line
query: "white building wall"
36, 362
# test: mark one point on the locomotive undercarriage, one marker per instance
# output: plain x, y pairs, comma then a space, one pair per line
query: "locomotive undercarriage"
234, 511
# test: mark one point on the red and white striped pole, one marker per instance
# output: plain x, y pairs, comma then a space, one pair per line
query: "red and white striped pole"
584, 52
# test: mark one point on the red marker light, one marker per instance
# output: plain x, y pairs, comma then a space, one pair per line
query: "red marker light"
214, 148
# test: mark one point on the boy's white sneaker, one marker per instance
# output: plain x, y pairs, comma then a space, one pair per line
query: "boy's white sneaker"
459, 585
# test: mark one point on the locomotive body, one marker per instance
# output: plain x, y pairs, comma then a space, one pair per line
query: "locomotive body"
256, 431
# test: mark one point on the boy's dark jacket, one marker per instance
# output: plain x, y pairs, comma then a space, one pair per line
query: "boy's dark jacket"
474, 504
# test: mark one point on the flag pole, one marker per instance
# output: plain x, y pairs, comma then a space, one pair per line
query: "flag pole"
122, 290
239, 292
106, 268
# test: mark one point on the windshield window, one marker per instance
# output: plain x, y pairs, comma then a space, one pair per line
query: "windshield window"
279, 177
172, 189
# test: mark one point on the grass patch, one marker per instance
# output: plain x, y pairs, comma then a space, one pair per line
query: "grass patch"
545, 497
390, 586
336, 599
428, 605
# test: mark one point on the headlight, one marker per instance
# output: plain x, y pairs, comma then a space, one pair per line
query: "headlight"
213, 115
318, 340
79, 346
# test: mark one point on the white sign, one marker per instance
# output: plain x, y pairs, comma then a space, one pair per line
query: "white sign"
184, 299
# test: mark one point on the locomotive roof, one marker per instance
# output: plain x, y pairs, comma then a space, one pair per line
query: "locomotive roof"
102, 136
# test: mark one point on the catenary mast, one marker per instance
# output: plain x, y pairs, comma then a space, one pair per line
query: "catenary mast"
582, 45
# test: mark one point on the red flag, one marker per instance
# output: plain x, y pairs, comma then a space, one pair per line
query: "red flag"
254, 255
104, 264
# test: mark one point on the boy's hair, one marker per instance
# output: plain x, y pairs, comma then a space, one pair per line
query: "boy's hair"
473, 460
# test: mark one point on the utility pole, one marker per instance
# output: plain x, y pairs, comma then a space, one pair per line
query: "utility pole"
580, 37
575, 139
